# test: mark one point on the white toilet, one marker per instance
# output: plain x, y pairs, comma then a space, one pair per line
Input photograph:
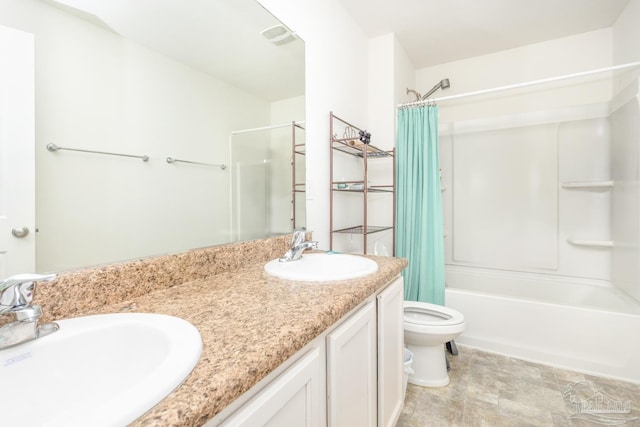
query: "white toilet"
427, 327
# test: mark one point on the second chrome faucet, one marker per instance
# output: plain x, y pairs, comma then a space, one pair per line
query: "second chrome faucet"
298, 246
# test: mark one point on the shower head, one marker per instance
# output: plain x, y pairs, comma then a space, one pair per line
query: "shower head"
442, 84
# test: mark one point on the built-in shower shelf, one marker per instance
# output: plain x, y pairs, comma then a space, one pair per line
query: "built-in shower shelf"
591, 243
588, 185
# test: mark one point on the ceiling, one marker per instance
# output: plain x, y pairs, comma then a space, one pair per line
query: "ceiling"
436, 31
222, 38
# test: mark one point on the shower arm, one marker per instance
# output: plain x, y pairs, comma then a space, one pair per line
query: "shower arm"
418, 96
442, 84
433, 89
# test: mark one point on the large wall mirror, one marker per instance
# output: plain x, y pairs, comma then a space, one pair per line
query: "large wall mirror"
216, 84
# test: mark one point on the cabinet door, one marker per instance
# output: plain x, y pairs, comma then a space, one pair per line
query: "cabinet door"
292, 399
390, 360
351, 371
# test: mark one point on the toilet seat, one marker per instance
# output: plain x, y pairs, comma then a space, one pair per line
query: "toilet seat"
426, 314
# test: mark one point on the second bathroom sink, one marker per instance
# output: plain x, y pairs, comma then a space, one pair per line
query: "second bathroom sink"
322, 267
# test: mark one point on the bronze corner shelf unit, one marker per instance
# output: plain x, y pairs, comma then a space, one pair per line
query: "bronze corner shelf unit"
350, 144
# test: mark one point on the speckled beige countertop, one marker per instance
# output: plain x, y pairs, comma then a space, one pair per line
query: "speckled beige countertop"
250, 322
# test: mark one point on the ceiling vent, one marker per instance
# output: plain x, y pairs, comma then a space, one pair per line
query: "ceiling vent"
278, 35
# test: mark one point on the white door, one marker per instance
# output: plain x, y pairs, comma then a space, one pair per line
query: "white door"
17, 145
351, 371
390, 361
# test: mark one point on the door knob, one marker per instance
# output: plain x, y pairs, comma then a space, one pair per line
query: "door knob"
20, 232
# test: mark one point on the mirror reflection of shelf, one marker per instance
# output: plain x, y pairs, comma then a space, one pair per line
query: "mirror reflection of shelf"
588, 185
358, 187
362, 230
298, 187
591, 243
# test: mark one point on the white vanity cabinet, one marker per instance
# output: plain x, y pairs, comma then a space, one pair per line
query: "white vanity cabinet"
351, 375
294, 398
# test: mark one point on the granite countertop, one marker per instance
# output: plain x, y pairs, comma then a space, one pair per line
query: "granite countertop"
250, 323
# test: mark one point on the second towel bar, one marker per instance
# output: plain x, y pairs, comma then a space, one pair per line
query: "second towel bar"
172, 160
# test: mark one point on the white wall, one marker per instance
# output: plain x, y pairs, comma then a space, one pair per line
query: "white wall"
537, 61
390, 74
405, 74
626, 195
336, 80
565, 55
503, 210
381, 110
626, 157
626, 34
98, 91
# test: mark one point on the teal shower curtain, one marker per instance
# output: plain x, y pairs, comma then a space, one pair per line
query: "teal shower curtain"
419, 227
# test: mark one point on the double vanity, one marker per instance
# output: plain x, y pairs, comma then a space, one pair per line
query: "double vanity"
300, 347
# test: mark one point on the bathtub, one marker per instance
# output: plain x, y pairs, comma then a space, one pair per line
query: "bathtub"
579, 325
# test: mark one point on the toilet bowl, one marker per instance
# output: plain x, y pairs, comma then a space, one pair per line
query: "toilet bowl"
427, 327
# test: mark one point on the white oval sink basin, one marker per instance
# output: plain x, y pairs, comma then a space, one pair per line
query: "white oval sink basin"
322, 267
102, 370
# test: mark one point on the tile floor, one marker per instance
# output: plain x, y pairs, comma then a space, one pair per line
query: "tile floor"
492, 390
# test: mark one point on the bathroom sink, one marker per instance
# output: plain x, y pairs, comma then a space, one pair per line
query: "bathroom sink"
100, 370
322, 267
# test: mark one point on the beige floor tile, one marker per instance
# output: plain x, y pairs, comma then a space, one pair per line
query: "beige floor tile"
494, 390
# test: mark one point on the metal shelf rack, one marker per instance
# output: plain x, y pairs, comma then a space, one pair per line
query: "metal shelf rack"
350, 144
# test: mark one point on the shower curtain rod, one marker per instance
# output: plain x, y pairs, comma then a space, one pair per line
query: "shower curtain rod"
519, 85
236, 132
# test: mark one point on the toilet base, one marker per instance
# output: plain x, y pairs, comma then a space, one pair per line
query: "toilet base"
429, 365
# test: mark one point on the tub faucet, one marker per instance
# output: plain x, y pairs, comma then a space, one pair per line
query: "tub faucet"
298, 245
16, 294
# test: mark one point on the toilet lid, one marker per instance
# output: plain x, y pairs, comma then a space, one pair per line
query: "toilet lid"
421, 313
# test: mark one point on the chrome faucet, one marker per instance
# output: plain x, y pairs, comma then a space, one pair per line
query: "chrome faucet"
298, 245
16, 294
